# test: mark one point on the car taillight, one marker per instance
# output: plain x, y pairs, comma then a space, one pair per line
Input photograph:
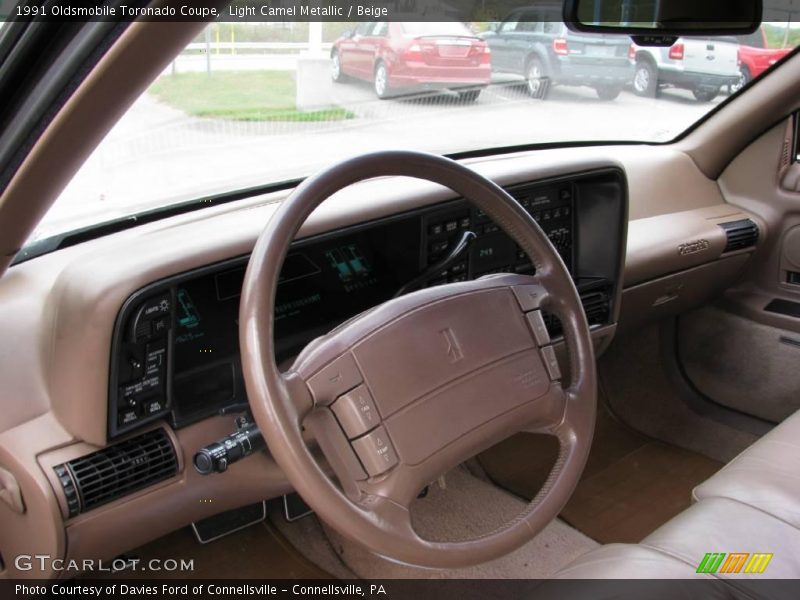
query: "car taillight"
676, 51
486, 55
632, 52
739, 58
413, 53
560, 46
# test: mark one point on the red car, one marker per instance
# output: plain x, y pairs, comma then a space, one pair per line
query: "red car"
755, 57
410, 56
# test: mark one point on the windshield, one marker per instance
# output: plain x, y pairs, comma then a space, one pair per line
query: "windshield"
250, 104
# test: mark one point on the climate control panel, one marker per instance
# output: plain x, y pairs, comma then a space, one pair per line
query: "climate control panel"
552, 207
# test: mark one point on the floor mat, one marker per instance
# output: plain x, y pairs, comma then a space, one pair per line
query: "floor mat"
467, 507
257, 552
630, 487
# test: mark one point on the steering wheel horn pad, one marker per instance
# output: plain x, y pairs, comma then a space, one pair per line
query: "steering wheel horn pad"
417, 385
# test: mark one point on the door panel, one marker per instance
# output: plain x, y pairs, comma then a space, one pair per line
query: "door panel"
744, 352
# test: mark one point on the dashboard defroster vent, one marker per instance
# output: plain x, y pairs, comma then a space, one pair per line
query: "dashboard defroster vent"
118, 470
741, 234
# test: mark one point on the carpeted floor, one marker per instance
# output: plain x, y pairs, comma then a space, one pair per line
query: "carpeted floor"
466, 508
630, 487
641, 395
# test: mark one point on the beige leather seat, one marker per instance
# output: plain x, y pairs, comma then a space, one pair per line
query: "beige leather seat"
751, 506
766, 476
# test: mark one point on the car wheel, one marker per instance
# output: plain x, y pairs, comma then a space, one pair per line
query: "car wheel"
645, 79
469, 96
608, 92
744, 78
336, 69
536, 81
381, 81
705, 94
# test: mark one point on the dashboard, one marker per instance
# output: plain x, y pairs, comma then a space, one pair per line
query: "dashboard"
175, 350
129, 342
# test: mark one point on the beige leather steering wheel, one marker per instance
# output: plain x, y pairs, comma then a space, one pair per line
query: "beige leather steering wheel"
435, 376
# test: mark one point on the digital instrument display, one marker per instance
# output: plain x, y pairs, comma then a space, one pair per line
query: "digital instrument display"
320, 286
176, 342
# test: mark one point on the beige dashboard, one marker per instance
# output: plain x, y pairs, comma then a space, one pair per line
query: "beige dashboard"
59, 310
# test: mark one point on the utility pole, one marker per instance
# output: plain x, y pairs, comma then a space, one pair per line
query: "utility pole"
208, 51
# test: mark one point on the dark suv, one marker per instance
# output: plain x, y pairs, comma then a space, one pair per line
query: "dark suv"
534, 42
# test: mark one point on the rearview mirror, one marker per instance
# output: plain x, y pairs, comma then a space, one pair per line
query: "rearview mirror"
664, 17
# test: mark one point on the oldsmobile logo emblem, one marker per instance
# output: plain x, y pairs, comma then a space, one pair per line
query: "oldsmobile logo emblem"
693, 247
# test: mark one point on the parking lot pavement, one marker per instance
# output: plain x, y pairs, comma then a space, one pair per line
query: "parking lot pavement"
156, 154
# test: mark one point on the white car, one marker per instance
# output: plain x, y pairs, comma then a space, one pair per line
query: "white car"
703, 66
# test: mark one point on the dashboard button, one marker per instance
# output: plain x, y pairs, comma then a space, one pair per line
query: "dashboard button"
375, 452
152, 406
127, 416
436, 229
551, 362
356, 412
538, 327
334, 380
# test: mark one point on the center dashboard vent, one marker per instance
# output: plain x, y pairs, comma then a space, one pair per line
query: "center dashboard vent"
596, 305
741, 234
118, 470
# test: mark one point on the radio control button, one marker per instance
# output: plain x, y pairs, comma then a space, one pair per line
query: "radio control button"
529, 296
334, 380
356, 412
375, 452
538, 327
551, 362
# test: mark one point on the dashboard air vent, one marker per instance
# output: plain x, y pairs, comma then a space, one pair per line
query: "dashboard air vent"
741, 234
118, 470
596, 306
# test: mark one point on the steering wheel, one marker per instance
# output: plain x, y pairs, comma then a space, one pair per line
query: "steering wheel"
415, 386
